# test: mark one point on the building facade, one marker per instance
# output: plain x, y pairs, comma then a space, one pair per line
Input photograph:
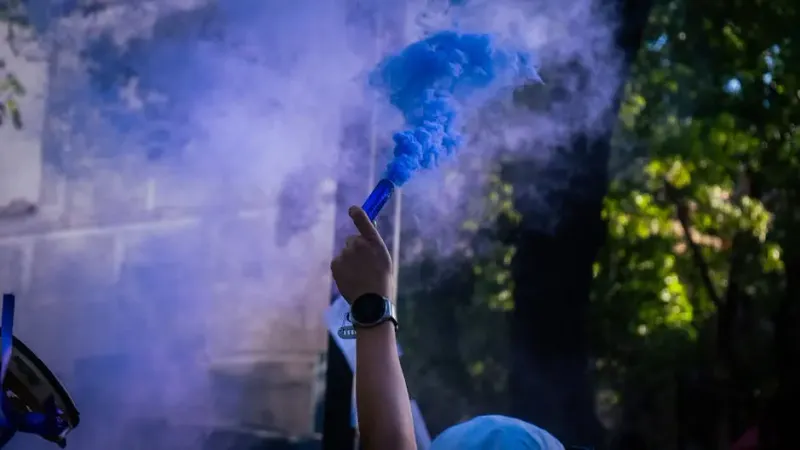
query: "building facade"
169, 291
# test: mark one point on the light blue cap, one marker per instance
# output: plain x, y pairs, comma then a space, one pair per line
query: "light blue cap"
495, 433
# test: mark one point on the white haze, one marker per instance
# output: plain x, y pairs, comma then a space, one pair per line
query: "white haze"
261, 97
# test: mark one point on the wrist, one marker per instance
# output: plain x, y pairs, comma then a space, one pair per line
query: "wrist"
384, 334
381, 328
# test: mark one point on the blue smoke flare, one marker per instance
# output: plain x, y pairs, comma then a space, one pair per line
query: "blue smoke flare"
378, 198
431, 81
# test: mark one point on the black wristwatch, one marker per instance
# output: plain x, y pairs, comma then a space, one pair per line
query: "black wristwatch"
371, 310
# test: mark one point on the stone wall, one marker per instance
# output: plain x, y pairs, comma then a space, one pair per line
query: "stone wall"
183, 295
211, 290
20, 185
171, 295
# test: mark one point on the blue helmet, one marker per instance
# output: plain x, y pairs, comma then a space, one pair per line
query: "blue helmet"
495, 433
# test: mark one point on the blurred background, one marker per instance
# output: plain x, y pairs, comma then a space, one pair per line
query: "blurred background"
167, 221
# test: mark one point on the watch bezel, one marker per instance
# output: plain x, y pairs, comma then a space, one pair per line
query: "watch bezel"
386, 315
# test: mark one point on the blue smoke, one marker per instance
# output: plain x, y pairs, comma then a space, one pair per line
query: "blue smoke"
431, 82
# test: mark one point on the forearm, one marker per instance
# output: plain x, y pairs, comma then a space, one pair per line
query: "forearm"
384, 409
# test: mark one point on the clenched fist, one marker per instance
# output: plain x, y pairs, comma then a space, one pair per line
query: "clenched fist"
364, 266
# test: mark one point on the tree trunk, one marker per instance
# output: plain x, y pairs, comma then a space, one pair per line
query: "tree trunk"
787, 345
552, 273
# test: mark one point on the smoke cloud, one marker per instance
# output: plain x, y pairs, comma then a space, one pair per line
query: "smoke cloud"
430, 81
177, 270
572, 46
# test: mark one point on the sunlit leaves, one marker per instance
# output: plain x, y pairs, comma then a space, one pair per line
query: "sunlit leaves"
11, 85
678, 174
494, 284
630, 109
732, 37
730, 153
11, 90
771, 258
643, 223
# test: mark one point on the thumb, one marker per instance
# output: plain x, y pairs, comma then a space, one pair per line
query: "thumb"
365, 227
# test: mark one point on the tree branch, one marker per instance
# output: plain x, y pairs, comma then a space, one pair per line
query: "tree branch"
697, 255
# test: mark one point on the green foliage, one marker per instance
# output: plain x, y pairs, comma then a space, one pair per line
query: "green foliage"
699, 211
707, 130
456, 356
11, 89
493, 283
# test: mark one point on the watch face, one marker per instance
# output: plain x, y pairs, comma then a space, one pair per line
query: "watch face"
368, 309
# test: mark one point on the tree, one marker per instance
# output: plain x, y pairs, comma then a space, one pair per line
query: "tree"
694, 304
693, 289
456, 307
552, 274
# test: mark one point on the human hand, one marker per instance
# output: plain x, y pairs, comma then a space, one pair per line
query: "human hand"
364, 265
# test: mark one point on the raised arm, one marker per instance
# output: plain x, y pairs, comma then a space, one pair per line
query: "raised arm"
363, 274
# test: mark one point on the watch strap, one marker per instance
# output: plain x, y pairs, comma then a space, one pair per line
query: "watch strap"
388, 316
